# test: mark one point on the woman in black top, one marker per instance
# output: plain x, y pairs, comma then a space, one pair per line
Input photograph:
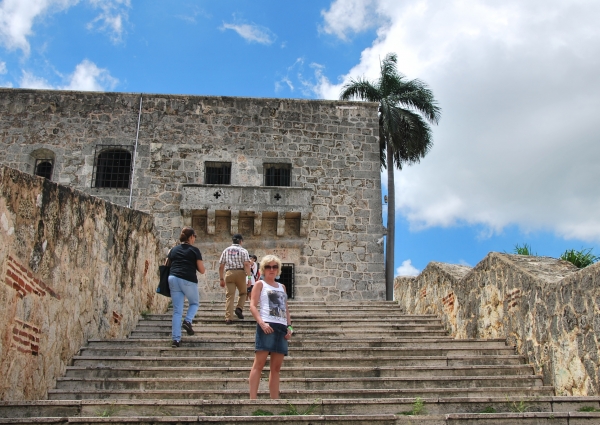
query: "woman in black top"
185, 260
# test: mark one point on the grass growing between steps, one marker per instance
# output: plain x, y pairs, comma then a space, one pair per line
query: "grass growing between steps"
520, 406
107, 412
418, 408
588, 409
290, 411
489, 409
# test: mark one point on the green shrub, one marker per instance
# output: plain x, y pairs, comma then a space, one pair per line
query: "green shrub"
581, 258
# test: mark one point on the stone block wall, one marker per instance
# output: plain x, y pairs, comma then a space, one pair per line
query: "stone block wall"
547, 308
72, 267
331, 147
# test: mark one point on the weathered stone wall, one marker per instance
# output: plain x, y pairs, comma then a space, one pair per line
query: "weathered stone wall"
72, 267
332, 148
547, 308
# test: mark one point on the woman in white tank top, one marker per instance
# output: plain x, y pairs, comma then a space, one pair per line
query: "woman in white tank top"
273, 325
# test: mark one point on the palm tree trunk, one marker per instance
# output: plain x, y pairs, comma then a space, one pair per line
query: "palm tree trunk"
391, 226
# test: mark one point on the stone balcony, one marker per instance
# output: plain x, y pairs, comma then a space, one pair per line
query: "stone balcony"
258, 201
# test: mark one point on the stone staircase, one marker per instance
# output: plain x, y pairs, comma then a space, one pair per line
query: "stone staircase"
349, 363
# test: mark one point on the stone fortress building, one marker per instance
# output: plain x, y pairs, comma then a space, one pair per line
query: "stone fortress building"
298, 178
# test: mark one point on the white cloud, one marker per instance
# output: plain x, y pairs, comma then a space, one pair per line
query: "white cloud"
251, 33
407, 269
2, 67
517, 81
30, 81
86, 77
17, 19
112, 17
349, 16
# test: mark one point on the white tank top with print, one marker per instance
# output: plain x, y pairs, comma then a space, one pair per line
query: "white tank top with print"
273, 303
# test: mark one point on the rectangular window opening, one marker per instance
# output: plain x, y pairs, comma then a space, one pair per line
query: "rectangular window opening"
217, 173
278, 174
112, 166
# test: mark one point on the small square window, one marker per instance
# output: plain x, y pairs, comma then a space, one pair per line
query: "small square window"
217, 173
112, 167
278, 174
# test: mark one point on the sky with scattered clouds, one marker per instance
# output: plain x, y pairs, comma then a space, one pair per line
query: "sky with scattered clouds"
515, 154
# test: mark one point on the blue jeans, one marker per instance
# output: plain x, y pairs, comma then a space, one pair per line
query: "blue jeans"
181, 289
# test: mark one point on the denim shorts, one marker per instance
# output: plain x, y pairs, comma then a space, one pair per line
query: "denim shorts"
274, 342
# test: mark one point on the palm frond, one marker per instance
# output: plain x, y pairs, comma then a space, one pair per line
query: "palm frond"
360, 89
405, 109
420, 97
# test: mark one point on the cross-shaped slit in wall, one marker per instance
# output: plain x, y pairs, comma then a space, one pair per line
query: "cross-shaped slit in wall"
277, 196
216, 195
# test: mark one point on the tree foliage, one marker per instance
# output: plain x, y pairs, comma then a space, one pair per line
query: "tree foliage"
406, 107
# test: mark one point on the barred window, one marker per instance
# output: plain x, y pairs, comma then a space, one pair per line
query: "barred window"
217, 173
112, 167
278, 174
43, 167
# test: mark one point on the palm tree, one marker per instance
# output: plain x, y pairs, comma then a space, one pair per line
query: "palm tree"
405, 108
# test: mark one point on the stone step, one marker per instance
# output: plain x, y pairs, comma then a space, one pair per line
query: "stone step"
188, 350
233, 330
324, 361
310, 318
373, 312
389, 306
571, 418
288, 394
288, 383
217, 420
296, 370
245, 407
343, 322
298, 342
299, 329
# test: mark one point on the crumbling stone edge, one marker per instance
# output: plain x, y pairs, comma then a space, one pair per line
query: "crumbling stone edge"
547, 308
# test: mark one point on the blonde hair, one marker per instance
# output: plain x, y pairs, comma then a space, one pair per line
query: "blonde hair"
269, 259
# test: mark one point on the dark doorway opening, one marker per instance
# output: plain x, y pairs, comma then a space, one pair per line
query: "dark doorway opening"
286, 278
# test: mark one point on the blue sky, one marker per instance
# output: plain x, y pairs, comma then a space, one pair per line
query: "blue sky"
515, 156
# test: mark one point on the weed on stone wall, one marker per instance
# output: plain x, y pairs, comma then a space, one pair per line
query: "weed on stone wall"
581, 258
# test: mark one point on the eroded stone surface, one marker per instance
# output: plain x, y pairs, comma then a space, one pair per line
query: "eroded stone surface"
546, 307
72, 267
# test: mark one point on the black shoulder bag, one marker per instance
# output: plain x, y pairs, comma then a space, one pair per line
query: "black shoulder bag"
163, 283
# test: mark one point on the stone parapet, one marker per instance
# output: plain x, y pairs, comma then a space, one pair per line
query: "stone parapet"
72, 267
246, 198
547, 308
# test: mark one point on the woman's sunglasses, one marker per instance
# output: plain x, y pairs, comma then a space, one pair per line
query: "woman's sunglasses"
269, 267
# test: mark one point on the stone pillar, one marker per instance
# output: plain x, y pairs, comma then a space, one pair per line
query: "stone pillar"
304, 221
186, 217
210, 221
257, 223
235, 218
280, 223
